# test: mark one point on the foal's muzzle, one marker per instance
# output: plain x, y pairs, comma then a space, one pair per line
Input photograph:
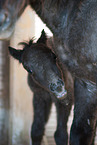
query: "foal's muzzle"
59, 89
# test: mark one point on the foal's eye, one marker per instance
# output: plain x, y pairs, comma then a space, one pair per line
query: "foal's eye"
29, 71
52, 87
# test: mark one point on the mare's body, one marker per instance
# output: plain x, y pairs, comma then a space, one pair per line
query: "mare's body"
10, 11
74, 27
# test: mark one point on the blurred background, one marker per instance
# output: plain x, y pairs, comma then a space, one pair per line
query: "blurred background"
16, 110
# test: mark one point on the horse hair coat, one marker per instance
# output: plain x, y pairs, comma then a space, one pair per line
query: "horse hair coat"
74, 27
45, 80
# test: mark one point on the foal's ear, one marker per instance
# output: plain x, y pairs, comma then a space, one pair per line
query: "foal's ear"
16, 53
43, 37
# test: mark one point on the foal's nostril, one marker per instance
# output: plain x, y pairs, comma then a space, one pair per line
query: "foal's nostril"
60, 82
52, 87
57, 88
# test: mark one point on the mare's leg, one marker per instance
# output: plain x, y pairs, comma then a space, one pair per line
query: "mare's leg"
63, 111
85, 113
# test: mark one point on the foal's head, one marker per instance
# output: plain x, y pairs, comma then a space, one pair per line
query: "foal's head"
40, 62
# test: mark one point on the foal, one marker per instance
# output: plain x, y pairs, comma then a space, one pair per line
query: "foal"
44, 79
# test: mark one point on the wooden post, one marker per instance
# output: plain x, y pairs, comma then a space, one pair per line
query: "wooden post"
4, 93
20, 94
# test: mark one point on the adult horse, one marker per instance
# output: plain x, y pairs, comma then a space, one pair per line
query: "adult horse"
74, 26
10, 11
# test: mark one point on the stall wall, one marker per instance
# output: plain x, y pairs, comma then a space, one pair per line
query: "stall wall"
20, 95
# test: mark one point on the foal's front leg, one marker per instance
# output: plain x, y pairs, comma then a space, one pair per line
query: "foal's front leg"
85, 113
42, 105
63, 111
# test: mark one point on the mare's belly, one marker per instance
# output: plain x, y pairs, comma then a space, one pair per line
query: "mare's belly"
82, 43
